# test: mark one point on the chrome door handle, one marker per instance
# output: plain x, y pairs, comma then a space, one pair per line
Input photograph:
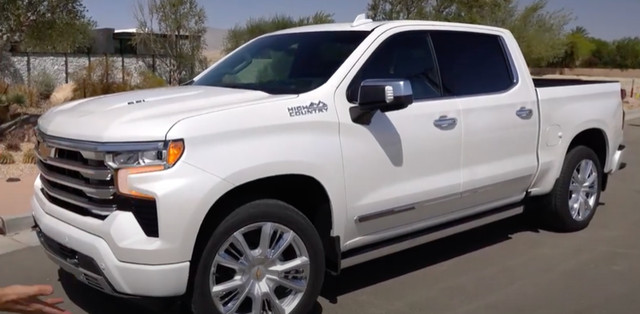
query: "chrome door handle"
524, 113
445, 123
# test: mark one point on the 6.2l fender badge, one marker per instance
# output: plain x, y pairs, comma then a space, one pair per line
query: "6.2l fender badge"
312, 108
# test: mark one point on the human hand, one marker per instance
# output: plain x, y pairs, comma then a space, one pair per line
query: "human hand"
25, 299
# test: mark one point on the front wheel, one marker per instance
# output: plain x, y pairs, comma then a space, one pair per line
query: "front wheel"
266, 257
575, 197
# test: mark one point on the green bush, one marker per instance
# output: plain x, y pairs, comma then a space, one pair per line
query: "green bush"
45, 83
148, 79
28, 95
17, 98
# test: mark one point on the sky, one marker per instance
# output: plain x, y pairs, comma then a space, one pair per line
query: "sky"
607, 19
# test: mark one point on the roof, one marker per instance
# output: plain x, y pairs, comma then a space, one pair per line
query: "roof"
371, 25
127, 30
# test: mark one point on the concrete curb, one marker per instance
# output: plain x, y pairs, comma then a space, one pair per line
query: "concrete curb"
632, 114
15, 224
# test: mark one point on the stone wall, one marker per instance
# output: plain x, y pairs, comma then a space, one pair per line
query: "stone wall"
18, 68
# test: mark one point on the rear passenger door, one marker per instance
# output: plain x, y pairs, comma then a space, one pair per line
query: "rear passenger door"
498, 112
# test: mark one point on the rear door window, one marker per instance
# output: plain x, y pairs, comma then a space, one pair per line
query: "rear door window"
471, 63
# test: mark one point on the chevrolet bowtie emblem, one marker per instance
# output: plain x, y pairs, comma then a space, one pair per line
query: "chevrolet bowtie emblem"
45, 150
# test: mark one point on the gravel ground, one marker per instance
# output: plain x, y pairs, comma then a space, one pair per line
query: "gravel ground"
18, 169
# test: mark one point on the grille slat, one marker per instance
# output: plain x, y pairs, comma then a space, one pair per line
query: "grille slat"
87, 171
103, 210
75, 177
101, 192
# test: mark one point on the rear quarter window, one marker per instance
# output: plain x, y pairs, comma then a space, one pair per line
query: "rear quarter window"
472, 63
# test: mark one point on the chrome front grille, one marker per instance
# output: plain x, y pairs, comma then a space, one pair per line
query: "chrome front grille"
75, 179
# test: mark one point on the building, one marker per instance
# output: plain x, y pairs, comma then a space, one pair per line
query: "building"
120, 41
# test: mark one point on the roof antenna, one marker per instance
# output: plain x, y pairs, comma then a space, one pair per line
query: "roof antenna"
360, 20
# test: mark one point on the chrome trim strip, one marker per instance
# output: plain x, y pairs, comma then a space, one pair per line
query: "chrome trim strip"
86, 171
92, 191
98, 146
105, 210
383, 213
437, 234
403, 209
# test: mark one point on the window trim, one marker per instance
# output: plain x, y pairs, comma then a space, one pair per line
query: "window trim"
515, 76
354, 69
427, 36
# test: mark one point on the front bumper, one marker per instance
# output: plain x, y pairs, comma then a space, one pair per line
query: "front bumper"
89, 258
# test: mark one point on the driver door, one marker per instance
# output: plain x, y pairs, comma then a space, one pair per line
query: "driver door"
404, 168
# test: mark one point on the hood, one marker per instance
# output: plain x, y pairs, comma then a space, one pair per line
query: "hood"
143, 115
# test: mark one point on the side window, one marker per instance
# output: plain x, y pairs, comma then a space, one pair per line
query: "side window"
405, 55
471, 63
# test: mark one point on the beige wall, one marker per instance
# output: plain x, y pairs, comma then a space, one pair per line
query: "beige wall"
632, 73
628, 78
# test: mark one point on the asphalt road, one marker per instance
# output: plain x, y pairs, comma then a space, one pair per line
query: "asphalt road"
506, 267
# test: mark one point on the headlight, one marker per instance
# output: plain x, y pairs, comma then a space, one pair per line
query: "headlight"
135, 162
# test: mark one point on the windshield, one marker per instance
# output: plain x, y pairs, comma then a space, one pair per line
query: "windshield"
285, 64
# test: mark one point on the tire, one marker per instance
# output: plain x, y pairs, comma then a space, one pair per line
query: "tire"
560, 212
256, 271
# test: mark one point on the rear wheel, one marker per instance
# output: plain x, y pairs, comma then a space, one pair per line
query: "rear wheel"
575, 197
266, 257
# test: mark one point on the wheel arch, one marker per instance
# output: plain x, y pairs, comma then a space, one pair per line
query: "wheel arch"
596, 140
303, 192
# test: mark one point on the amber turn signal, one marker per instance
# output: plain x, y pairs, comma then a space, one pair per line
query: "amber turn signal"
174, 152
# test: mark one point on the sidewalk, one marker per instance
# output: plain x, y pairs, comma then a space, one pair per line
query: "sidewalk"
15, 198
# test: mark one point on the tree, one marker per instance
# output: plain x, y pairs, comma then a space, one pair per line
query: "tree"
531, 24
579, 48
627, 53
45, 25
603, 54
240, 34
173, 29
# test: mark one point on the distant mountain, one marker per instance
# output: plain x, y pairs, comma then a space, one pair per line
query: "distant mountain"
215, 38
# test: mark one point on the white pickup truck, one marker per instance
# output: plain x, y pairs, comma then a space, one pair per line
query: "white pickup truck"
314, 149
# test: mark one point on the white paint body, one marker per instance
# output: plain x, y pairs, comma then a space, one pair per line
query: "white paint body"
492, 158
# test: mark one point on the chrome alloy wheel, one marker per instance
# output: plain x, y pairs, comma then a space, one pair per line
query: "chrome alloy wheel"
583, 190
261, 268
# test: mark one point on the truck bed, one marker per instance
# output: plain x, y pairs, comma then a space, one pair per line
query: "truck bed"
547, 82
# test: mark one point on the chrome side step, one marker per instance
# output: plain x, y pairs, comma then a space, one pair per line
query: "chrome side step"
361, 255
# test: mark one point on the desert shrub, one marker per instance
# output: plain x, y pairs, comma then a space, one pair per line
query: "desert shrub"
4, 112
62, 94
148, 79
6, 158
12, 143
17, 98
45, 83
4, 87
99, 78
29, 157
30, 95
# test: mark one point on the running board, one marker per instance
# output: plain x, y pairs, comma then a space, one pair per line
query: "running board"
367, 253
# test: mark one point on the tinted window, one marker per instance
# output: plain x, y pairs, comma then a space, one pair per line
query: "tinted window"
402, 56
285, 64
471, 63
